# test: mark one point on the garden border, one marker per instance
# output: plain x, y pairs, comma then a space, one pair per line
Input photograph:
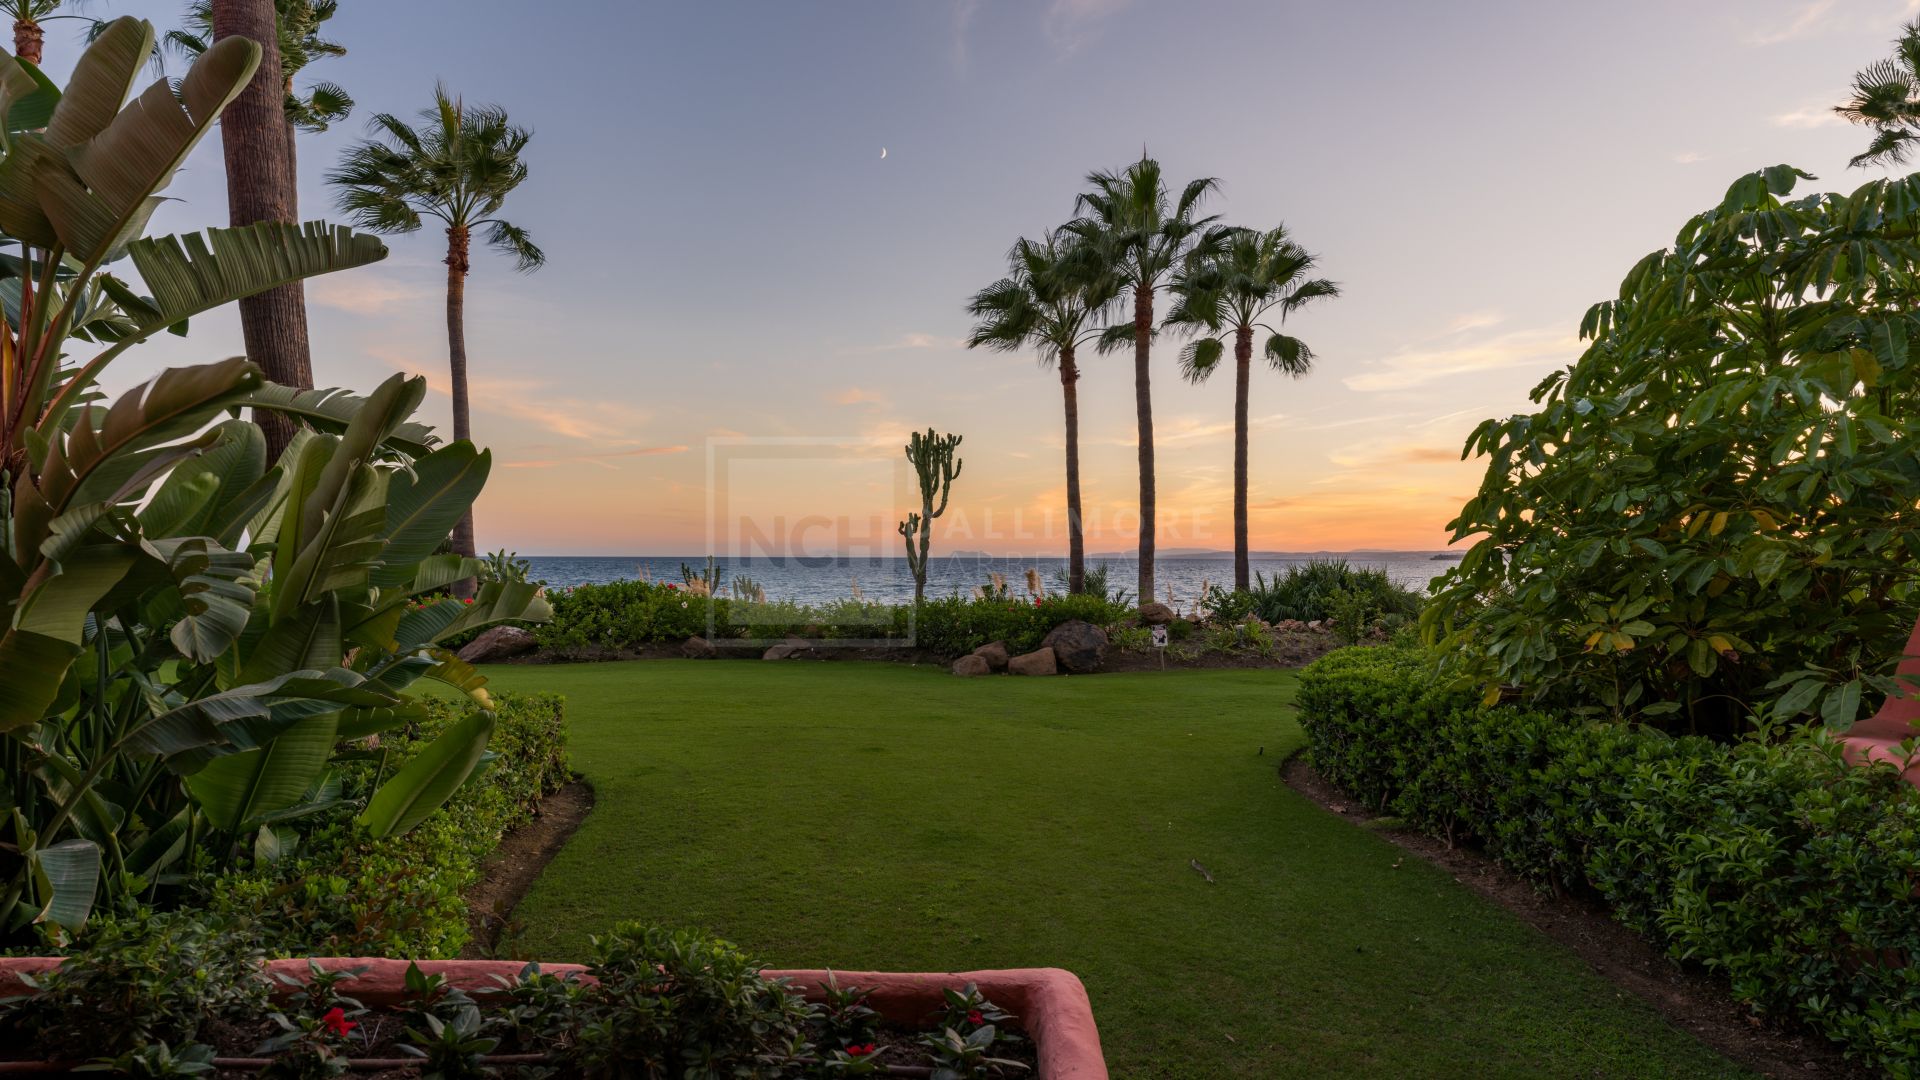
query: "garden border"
1051, 1003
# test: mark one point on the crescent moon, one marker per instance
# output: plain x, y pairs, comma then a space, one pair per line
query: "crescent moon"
883, 153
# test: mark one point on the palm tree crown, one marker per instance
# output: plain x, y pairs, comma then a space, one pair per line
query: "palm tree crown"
458, 167
1886, 98
299, 22
1131, 228
1051, 300
1251, 277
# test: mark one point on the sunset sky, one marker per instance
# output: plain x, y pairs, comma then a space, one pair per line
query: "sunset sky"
731, 259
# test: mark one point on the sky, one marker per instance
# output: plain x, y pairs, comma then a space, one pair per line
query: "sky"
746, 308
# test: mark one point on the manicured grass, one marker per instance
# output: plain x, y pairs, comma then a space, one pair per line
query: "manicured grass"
871, 816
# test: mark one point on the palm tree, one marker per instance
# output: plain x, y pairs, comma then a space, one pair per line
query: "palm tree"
1049, 301
260, 187
457, 168
299, 22
1134, 231
1886, 98
27, 17
1254, 276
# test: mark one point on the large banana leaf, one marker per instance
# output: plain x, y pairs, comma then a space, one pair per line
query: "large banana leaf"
332, 410
109, 454
249, 716
199, 273
309, 636
200, 492
240, 788
496, 602
384, 410
101, 80
27, 97
32, 667
423, 508
117, 170
425, 783
212, 599
67, 875
205, 272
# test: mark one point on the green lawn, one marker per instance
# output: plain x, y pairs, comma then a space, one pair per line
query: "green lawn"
872, 816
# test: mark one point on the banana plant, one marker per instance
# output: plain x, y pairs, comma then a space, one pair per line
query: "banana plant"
188, 637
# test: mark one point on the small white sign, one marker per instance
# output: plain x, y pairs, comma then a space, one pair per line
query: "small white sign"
1160, 637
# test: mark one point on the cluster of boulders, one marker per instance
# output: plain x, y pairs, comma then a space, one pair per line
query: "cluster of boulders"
1073, 647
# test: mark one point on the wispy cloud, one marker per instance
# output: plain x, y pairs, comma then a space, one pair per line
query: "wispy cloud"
912, 341
1689, 157
854, 395
1071, 24
1815, 114
365, 294
1475, 320
599, 420
963, 13
1804, 22
1417, 367
604, 459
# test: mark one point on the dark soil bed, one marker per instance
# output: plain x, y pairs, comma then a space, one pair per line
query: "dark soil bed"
522, 854
1691, 1001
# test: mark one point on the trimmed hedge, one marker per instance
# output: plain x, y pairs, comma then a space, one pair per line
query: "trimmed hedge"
632, 614
1792, 873
339, 893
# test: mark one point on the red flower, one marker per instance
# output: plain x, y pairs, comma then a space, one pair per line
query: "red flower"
469, 599
860, 1049
974, 1017
335, 1020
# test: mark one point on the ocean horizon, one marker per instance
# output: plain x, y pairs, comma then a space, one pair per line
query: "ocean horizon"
1180, 578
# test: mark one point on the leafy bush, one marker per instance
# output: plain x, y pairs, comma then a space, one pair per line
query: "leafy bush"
1780, 866
1311, 591
1709, 519
678, 1003
140, 978
333, 891
631, 614
955, 625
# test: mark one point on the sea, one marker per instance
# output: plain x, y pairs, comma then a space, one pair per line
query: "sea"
1180, 580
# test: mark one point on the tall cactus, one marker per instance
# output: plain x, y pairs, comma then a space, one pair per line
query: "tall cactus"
933, 460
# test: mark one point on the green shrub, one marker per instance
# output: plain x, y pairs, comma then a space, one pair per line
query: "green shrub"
1312, 591
340, 893
954, 625
1778, 865
134, 979
1707, 521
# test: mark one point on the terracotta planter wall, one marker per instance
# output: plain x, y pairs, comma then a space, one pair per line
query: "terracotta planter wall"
1051, 1003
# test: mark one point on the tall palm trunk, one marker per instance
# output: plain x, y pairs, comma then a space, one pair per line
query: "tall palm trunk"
1076, 542
27, 40
1143, 407
253, 135
1243, 368
457, 266
293, 157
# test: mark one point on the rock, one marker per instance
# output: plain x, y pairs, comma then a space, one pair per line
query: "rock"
994, 653
497, 643
1155, 614
787, 650
1080, 647
698, 648
971, 665
1038, 662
